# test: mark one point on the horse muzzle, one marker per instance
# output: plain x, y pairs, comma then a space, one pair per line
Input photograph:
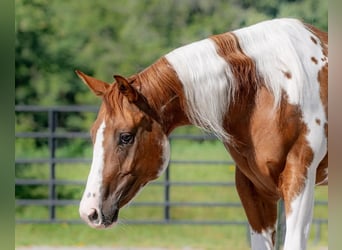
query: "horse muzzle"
98, 214
95, 218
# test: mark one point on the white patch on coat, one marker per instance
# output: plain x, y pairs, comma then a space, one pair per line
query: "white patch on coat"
298, 222
285, 46
91, 198
280, 46
263, 240
207, 83
166, 155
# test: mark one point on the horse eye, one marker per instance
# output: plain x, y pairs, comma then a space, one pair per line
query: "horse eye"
126, 138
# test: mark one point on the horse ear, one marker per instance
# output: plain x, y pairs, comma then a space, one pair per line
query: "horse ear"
134, 96
127, 89
96, 86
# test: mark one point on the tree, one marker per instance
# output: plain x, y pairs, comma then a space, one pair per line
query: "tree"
122, 37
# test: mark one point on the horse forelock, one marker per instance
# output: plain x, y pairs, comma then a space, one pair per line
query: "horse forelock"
113, 101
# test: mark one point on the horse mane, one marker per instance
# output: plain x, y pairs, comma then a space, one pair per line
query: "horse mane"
159, 84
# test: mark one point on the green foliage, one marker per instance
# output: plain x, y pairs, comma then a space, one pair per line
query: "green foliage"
311, 11
124, 36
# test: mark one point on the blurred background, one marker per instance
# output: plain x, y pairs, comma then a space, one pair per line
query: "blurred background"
194, 205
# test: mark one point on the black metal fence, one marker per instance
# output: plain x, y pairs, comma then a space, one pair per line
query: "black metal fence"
51, 133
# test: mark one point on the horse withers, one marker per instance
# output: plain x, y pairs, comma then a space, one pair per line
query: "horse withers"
262, 90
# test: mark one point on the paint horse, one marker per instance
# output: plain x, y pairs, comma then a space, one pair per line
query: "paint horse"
262, 90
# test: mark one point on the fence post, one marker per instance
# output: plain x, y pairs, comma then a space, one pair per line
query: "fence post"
167, 194
52, 145
318, 226
280, 225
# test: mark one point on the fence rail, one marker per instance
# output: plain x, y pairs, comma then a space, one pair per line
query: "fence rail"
52, 135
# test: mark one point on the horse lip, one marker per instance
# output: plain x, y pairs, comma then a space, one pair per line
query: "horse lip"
111, 206
110, 220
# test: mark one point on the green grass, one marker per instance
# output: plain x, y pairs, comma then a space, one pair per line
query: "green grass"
168, 236
171, 236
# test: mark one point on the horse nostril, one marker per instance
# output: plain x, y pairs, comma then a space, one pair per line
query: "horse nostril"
93, 216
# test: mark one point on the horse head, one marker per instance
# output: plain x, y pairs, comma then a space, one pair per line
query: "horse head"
130, 149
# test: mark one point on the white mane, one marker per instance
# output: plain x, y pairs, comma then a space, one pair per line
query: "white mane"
206, 82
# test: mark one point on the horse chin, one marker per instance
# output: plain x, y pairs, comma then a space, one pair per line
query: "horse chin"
109, 221
109, 226
103, 226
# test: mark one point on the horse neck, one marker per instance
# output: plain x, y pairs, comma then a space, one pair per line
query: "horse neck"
164, 93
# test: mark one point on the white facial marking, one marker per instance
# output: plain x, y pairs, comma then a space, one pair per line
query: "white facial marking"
263, 240
92, 194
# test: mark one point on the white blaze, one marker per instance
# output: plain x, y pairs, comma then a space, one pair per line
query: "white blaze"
92, 194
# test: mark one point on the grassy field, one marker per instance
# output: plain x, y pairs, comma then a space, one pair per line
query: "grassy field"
168, 236
171, 236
